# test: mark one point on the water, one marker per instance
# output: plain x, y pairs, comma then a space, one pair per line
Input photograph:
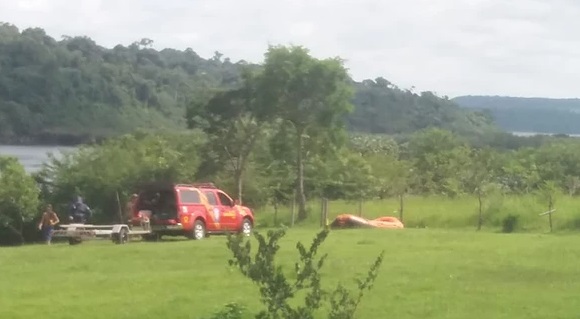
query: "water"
528, 134
32, 157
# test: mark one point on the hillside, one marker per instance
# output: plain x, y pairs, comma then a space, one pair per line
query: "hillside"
381, 107
517, 114
73, 90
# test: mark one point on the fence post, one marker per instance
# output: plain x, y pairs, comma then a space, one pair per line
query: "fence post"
275, 213
293, 209
120, 211
323, 212
360, 211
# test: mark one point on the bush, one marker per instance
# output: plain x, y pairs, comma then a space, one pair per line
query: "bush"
278, 291
230, 311
510, 223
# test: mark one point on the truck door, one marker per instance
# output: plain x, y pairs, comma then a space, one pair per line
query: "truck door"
216, 210
228, 210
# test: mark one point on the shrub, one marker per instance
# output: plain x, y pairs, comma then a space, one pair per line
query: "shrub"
510, 223
230, 311
278, 292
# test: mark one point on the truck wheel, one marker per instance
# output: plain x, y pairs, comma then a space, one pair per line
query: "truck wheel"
199, 231
246, 227
122, 237
151, 237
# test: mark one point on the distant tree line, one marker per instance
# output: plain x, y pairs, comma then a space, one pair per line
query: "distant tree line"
72, 91
535, 115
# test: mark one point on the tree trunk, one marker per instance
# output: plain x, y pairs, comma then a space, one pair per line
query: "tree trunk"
239, 182
550, 207
275, 213
480, 219
401, 207
302, 214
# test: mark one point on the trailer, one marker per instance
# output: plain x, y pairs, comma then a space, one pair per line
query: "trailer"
118, 233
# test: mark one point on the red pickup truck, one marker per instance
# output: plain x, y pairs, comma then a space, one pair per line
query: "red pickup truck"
191, 210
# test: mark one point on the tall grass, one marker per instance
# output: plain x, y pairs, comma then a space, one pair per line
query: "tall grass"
446, 213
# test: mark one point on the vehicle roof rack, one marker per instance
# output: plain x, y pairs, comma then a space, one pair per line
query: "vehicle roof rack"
204, 185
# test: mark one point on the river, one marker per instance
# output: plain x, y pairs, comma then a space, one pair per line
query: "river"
32, 157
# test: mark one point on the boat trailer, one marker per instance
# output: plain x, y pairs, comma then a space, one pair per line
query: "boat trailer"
118, 233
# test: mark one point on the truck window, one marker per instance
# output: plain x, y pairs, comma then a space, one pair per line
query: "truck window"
226, 201
211, 198
189, 197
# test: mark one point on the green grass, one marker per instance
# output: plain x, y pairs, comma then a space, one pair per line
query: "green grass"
447, 213
426, 274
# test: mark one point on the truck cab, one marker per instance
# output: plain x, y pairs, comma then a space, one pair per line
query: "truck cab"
186, 210
228, 212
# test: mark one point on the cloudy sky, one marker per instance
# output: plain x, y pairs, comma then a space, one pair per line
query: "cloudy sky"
451, 47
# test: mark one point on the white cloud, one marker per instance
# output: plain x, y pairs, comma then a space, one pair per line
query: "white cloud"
452, 47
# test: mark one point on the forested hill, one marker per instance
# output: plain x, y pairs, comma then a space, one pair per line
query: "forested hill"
543, 115
381, 107
72, 90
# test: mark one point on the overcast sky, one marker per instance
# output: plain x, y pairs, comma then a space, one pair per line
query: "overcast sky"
451, 47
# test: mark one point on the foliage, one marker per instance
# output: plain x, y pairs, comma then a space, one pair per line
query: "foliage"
510, 223
120, 165
384, 108
278, 291
74, 90
439, 160
18, 196
311, 95
518, 114
277, 128
234, 121
432, 162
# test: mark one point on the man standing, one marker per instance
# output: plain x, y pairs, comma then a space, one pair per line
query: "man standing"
129, 207
47, 222
79, 212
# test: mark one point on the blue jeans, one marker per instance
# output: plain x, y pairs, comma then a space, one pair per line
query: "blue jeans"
47, 233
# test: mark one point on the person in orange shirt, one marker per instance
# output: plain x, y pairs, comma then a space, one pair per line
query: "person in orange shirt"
129, 207
47, 222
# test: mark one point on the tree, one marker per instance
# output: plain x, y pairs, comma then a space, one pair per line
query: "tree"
18, 196
234, 120
400, 181
439, 159
308, 93
548, 193
479, 177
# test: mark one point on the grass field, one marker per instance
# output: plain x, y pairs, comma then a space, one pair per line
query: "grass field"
427, 273
451, 213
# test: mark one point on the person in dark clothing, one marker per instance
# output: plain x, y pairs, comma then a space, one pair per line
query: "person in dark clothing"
79, 212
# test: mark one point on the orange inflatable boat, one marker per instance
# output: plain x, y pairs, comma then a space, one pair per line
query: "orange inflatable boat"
352, 221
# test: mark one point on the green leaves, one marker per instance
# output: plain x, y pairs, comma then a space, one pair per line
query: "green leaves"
312, 95
120, 165
18, 194
278, 291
